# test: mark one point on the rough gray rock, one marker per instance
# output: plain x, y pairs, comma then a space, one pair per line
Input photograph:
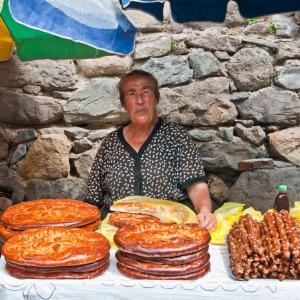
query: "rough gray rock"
200, 103
76, 133
285, 28
288, 50
226, 133
152, 45
12, 182
96, 135
214, 40
105, 66
169, 70
222, 55
251, 69
48, 74
69, 188
143, 21
84, 163
239, 96
25, 135
4, 143
246, 123
97, 103
285, 144
22, 109
233, 16
254, 135
223, 157
272, 107
32, 89
204, 64
258, 188
82, 146
18, 154
203, 135
260, 42
258, 28
289, 78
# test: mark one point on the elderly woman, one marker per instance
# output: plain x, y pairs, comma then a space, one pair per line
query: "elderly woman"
149, 156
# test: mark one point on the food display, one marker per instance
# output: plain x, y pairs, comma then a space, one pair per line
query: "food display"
48, 213
56, 253
265, 249
163, 251
167, 211
135, 208
122, 219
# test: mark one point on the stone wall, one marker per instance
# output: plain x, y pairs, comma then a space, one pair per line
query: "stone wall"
234, 86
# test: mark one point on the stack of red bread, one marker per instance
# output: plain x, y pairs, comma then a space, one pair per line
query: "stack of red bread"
67, 213
56, 253
154, 250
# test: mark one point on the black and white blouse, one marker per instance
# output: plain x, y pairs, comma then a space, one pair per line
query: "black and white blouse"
166, 164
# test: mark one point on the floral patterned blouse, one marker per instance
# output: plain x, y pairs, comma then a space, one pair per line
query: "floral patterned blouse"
166, 164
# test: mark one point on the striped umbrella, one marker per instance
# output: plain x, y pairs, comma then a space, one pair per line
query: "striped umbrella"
62, 29
211, 10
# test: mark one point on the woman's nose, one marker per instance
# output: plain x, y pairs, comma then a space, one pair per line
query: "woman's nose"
139, 98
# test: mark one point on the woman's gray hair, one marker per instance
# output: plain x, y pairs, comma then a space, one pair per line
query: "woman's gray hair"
139, 73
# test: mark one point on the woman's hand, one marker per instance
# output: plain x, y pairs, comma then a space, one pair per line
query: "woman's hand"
199, 194
207, 219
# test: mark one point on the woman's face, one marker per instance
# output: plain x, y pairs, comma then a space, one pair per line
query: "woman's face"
140, 101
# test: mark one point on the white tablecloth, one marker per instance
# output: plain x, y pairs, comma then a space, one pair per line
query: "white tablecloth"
217, 284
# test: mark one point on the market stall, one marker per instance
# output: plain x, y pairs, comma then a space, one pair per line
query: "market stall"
218, 283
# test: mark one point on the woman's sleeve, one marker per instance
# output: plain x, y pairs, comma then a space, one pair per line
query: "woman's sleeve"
94, 192
190, 165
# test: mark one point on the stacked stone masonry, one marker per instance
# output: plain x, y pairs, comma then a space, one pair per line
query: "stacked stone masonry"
234, 86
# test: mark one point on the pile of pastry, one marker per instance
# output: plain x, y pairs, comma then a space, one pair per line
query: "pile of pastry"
159, 251
53, 238
68, 213
56, 253
266, 249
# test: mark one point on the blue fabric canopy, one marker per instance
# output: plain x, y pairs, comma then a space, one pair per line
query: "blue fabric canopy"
98, 24
211, 10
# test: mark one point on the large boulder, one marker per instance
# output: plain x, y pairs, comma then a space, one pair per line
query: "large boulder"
285, 144
258, 188
289, 78
271, 106
48, 158
251, 69
97, 103
214, 39
204, 64
50, 75
222, 157
152, 45
288, 50
22, 109
199, 103
169, 70
105, 66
